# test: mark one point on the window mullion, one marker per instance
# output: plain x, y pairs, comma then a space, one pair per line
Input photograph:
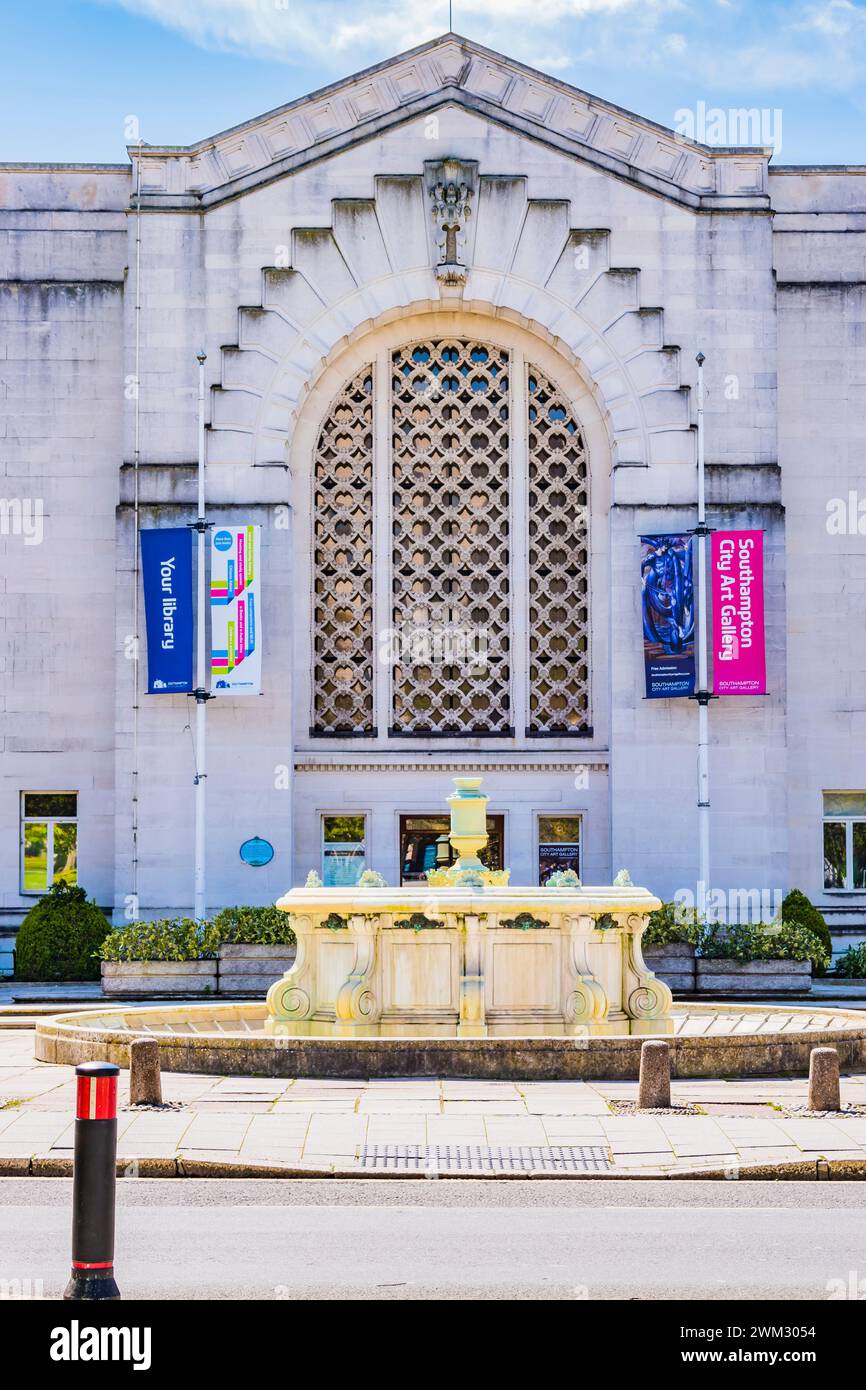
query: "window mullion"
519, 545
383, 670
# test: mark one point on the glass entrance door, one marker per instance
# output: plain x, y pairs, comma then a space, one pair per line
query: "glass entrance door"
424, 845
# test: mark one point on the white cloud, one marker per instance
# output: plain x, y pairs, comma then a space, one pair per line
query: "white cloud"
326, 30
749, 48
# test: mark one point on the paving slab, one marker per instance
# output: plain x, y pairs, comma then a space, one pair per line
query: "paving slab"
305, 1123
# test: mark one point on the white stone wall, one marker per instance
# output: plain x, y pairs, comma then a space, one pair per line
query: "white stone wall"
62, 264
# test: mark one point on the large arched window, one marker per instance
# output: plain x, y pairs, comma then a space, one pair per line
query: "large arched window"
484, 482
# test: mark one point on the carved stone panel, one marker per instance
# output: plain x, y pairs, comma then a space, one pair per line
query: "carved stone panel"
343, 563
559, 672
451, 519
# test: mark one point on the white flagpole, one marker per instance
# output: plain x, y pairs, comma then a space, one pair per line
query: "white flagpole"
201, 695
702, 693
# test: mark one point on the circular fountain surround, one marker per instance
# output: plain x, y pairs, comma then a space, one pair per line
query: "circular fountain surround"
230, 1040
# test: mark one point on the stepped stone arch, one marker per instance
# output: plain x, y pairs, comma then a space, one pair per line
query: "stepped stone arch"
528, 265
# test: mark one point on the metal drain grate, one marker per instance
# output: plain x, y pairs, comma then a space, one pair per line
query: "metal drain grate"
467, 1158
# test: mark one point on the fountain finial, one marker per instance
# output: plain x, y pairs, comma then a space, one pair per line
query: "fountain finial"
468, 837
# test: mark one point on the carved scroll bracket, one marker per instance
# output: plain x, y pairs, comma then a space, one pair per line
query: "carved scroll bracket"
585, 1002
290, 999
646, 999
356, 1005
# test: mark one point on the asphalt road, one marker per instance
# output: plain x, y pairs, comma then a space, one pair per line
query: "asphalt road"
416, 1239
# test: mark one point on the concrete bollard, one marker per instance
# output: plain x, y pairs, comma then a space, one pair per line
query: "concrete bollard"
145, 1085
654, 1092
824, 1092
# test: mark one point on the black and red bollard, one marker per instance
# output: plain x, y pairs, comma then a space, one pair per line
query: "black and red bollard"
94, 1183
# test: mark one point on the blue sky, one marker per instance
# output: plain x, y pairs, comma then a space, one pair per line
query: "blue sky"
72, 71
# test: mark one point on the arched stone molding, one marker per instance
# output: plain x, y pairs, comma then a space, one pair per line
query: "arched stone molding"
374, 347
530, 268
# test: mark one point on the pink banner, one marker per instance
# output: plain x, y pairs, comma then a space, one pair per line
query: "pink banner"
737, 587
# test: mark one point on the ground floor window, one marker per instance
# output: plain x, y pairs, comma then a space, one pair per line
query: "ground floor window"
558, 845
424, 845
343, 850
49, 840
845, 840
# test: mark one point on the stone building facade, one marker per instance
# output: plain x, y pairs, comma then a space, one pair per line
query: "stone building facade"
451, 309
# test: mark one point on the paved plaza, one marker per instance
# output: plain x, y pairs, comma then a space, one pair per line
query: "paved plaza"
356, 1125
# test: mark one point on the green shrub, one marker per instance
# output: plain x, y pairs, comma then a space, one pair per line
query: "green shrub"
745, 941
254, 926
60, 936
798, 908
178, 938
673, 922
852, 963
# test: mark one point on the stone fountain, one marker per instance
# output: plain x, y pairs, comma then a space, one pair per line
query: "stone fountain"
469, 955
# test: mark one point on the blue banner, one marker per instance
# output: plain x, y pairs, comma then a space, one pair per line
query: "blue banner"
166, 564
668, 611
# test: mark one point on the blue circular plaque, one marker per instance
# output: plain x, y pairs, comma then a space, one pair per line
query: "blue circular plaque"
256, 852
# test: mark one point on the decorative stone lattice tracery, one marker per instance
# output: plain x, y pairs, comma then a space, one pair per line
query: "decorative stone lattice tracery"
450, 557
450, 585
343, 563
558, 563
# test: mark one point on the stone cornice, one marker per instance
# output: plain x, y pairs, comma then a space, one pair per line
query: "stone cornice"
457, 71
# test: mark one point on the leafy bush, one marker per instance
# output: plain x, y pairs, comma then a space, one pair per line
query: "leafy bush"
60, 936
797, 908
745, 941
852, 963
254, 926
178, 938
673, 922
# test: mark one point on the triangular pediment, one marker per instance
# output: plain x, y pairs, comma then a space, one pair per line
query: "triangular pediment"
451, 70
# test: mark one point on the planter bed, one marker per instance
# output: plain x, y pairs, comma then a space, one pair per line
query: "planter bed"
673, 963
252, 970
152, 978
754, 977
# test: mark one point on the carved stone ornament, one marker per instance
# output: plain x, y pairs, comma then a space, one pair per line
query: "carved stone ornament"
451, 186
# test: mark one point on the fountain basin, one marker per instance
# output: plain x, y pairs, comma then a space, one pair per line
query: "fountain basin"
708, 1040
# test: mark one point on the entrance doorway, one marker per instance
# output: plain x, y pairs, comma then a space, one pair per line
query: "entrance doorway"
424, 845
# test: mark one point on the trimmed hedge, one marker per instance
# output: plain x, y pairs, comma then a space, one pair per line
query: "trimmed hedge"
254, 926
745, 941
794, 939
169, 938
672, 922
798, 908
60, 937
181, 938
